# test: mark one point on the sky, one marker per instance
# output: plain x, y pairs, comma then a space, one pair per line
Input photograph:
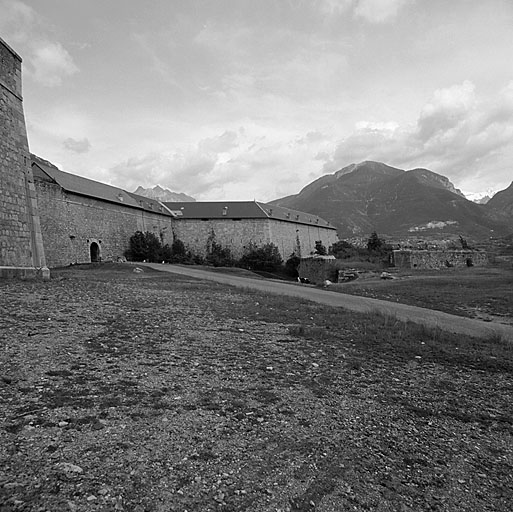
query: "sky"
245, 99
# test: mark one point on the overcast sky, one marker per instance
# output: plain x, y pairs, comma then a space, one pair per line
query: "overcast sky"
254, 99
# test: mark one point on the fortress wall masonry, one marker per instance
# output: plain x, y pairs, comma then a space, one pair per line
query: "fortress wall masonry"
239, 235
20, 235
439, 259
71, 222
234, 234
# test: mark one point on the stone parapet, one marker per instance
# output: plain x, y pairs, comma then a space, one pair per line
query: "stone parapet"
439, 259
318, 269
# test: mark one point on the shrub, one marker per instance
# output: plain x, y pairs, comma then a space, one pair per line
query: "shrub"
292, 264
219, 256
374, 244
266, 258
178, 251
320, 249
144, 247
166, 254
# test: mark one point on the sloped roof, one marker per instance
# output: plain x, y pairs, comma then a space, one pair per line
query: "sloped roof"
90, 188
152, 205
243, 210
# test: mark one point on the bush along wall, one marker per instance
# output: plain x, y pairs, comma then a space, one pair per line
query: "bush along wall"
148, 247
266, 258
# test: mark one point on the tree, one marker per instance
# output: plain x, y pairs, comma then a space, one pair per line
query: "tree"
374, 244
219, 256
266, 258
320, 249
292, 264
343, 250
178, 251
144, 247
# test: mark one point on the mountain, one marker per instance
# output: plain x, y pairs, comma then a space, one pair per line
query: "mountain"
163, 194
480, 197
502, 202
372, 196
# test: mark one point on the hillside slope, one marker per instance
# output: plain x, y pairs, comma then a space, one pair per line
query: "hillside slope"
373, 196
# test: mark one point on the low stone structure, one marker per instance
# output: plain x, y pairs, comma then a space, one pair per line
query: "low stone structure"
405, 258
317, 268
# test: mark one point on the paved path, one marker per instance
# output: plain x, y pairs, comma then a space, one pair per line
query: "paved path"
428, 317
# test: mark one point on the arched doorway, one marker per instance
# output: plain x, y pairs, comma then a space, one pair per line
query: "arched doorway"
94, 250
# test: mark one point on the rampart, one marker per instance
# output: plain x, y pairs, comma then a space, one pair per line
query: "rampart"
72, 224
439, 259
21, 245
239, 235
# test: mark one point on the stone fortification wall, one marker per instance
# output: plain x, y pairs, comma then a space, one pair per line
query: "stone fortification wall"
285, 235
234, 234
71, 223
20, 234
439, 259
238, 235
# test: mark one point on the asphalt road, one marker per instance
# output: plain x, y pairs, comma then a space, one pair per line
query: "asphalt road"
428, 317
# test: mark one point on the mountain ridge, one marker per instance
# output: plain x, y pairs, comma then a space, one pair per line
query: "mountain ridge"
372, 196
163, 194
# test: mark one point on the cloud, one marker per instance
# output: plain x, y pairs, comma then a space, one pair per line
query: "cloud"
45, 59
335, 7
191, 169
371, 11
50, 63
219, 144
78, 146
236, 165
457, 134
378, 11
446, 110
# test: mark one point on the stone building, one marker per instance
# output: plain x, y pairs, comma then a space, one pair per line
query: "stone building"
21, 247
241, 224
83, 221
87, 221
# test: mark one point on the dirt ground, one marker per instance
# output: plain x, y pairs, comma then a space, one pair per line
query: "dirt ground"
123, 391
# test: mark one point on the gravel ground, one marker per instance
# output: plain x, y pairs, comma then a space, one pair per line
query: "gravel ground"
123, 391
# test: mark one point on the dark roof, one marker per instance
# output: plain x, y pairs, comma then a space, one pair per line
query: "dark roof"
152, 205
182, 210
97, 190
243, 210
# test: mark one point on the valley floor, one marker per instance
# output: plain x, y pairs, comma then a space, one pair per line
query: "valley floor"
123, 391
